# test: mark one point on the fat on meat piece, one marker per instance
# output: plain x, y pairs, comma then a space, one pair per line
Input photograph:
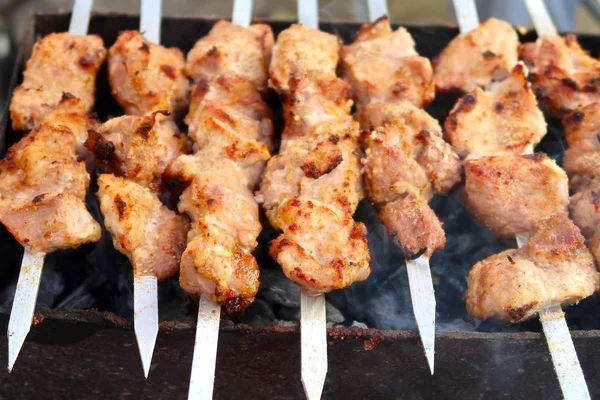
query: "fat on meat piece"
136, 148
43, 184
147, 232
564, 76
383, 66
311, 189
60, 77
503, 118
230, 49
311, 52
146, 77
555, 266
514, 194
487, 53
409, 130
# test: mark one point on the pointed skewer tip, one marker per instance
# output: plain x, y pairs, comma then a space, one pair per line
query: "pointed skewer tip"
145, 320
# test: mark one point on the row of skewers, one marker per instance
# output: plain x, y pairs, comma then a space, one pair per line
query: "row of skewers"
311, 188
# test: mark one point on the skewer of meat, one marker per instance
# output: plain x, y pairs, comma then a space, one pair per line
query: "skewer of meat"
43, 180
231, 127
147, 80
312, 187
406, 157
509, 180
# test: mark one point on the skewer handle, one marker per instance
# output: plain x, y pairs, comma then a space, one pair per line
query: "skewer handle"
242, 12
541, 17
466, 15
80, 18
150, 19
205, 350
422, 296
308, 13
377, 9
23, 306
564, 357
313, 335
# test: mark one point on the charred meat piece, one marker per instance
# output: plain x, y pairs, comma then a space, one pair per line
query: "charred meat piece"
503, 118
564, 76
146, 77
582, 127
511, 194
555, 266
416, 135
60, 77
42, 187
487, 53
383, 66
314, 53
231, 49
148, 233
320, 249
582, 165
136, 148
312, 188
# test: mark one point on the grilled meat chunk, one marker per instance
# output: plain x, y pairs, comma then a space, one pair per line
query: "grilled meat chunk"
79, 124
476, 58
311, 52
416, 135
148, 233
383, 66
582, 166
512, 194
553, 267
311, 189
564, 76
42, 187
230, 49
60, 77
502, 119
582, 127
146, 77
584, 209
137, 148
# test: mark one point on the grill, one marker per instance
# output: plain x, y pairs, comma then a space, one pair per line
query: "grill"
93, 354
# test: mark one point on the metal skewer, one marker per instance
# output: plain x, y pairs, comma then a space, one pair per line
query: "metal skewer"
556, 331
564, 357
313, 321
204, 359
28, 285
145, 287
422, 294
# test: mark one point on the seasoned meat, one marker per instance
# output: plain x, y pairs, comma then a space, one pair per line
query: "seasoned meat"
146, 77
137, 148
312, 188
230, 49
148, 233
553, 267
415, 134
564, 76
42, 187
301, 50
411, 221
476, 58
582, 167
60, 77
584, 209
49, 222
502, 119
582, 127
229, 106
320, 248
513, 194
383, 66
79, 124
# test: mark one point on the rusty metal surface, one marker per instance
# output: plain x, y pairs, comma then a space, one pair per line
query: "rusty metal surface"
84, 354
